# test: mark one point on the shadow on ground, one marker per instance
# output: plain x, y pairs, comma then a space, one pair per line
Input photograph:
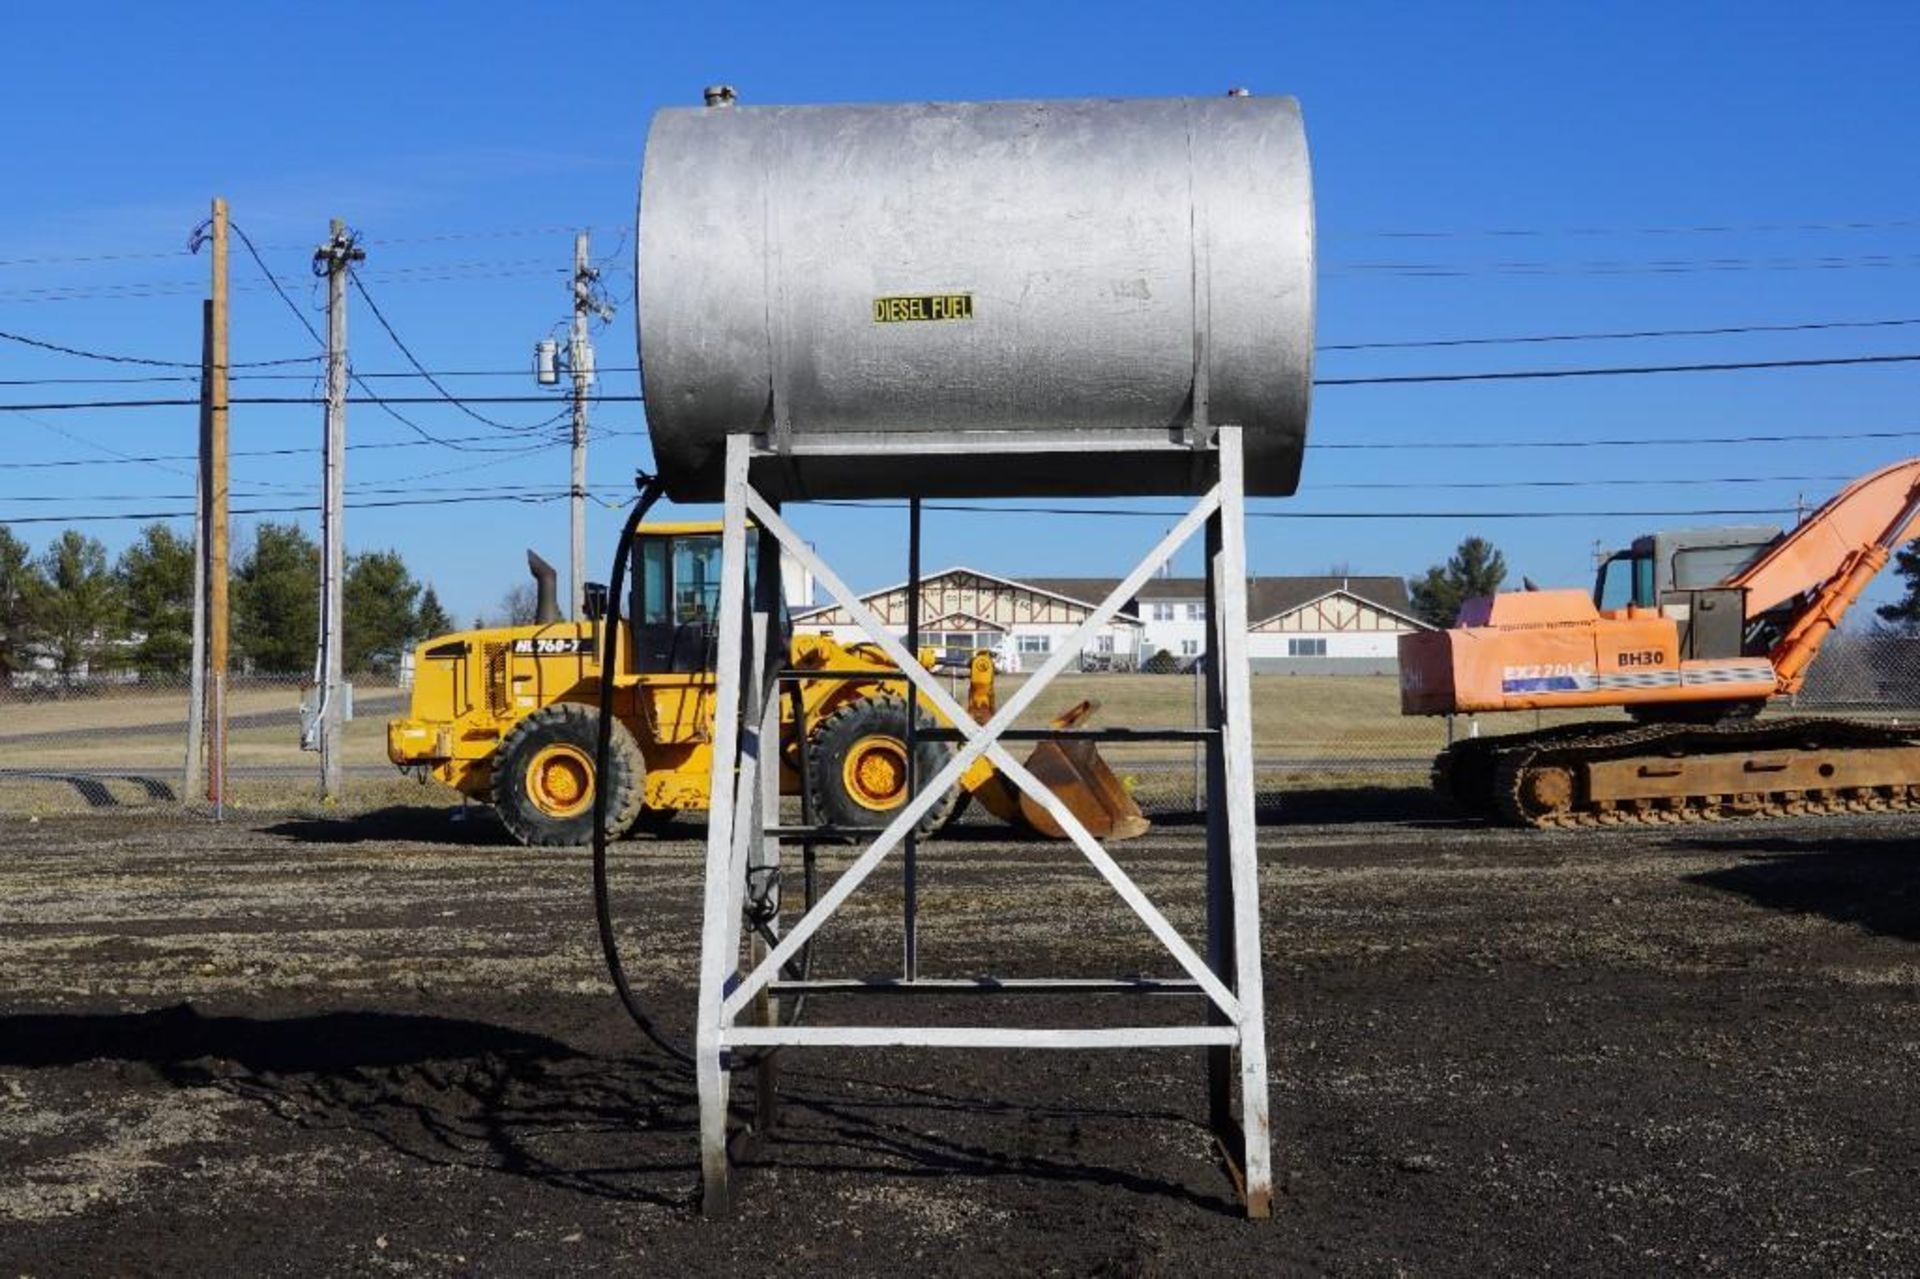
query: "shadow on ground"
477, 827
94, 788
1333, 806
445, 1091
413, 823
456, 1093
1874, 883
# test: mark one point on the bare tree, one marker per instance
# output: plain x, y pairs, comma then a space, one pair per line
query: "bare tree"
518, 605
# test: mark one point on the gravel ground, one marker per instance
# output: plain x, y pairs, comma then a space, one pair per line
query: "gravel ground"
387, 1046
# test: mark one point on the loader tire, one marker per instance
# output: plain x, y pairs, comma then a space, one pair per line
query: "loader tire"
543, 777
858, 774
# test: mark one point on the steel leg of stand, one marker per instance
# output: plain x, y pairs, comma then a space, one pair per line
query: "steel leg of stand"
763, 866
1230, 582
719, 944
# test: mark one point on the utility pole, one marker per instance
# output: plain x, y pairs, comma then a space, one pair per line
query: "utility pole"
336, 257
216, 514
580, 358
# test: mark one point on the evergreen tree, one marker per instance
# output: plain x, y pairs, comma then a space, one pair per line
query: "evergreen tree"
1475, 569
276, 600
78, 610
1904, 613
378, 610
155, 578
433, 619
20, 588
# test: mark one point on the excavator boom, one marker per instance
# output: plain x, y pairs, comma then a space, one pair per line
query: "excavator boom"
1877, 509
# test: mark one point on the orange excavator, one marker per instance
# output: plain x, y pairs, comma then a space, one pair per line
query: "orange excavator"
1692, 631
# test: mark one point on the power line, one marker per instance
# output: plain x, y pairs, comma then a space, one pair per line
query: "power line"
126, 255
371, 397
111, 358
452, 273
274, 280
1527, 339
1709, 228
1644, 441
90, 517
376, 488
382, 375
1829, 225
535, 498
431, 375
1399, 485
12, 465
1519, 375
1600, 267
1633, 482
421, 369
1138, 513
82, 440
1496, 375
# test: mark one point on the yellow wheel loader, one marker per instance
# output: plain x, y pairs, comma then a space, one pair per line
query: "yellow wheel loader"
509, 716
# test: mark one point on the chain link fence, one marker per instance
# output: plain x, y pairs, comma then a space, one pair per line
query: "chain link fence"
1324, 745
118, 741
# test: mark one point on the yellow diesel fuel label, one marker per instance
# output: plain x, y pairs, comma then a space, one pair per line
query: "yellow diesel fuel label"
923, 306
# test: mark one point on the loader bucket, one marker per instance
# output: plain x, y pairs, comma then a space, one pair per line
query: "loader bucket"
1071, 769
1074, 771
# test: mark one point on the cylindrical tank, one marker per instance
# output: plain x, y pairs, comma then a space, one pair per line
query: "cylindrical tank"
997, 299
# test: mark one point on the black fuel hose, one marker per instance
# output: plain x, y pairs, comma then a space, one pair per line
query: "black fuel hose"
650, 492
651, 489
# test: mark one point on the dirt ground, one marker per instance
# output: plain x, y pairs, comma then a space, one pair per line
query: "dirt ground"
387, 1046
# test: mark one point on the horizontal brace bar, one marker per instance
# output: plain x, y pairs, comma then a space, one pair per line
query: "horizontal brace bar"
942, 734
1123, 440
821, 673
976, 1037
824, 834
989, 986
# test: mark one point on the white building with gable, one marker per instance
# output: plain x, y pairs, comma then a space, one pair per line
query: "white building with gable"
1318, 625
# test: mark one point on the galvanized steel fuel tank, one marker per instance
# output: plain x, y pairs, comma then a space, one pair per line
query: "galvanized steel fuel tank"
998, 299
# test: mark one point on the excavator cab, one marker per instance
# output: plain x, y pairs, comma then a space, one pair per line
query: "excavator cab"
1680, 574
1675, 560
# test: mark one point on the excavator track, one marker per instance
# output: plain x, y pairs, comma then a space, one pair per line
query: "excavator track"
1659, 774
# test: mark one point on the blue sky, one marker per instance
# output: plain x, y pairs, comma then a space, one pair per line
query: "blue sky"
1592, 168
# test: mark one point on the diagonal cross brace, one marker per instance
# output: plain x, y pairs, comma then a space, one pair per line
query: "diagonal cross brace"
983, 740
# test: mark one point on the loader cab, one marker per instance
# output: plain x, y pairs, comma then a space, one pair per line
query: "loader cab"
676, 596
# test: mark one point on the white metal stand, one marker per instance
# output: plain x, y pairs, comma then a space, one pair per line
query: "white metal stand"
743, 857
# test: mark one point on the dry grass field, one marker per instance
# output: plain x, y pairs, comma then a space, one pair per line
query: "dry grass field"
125, 747
1310, 732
